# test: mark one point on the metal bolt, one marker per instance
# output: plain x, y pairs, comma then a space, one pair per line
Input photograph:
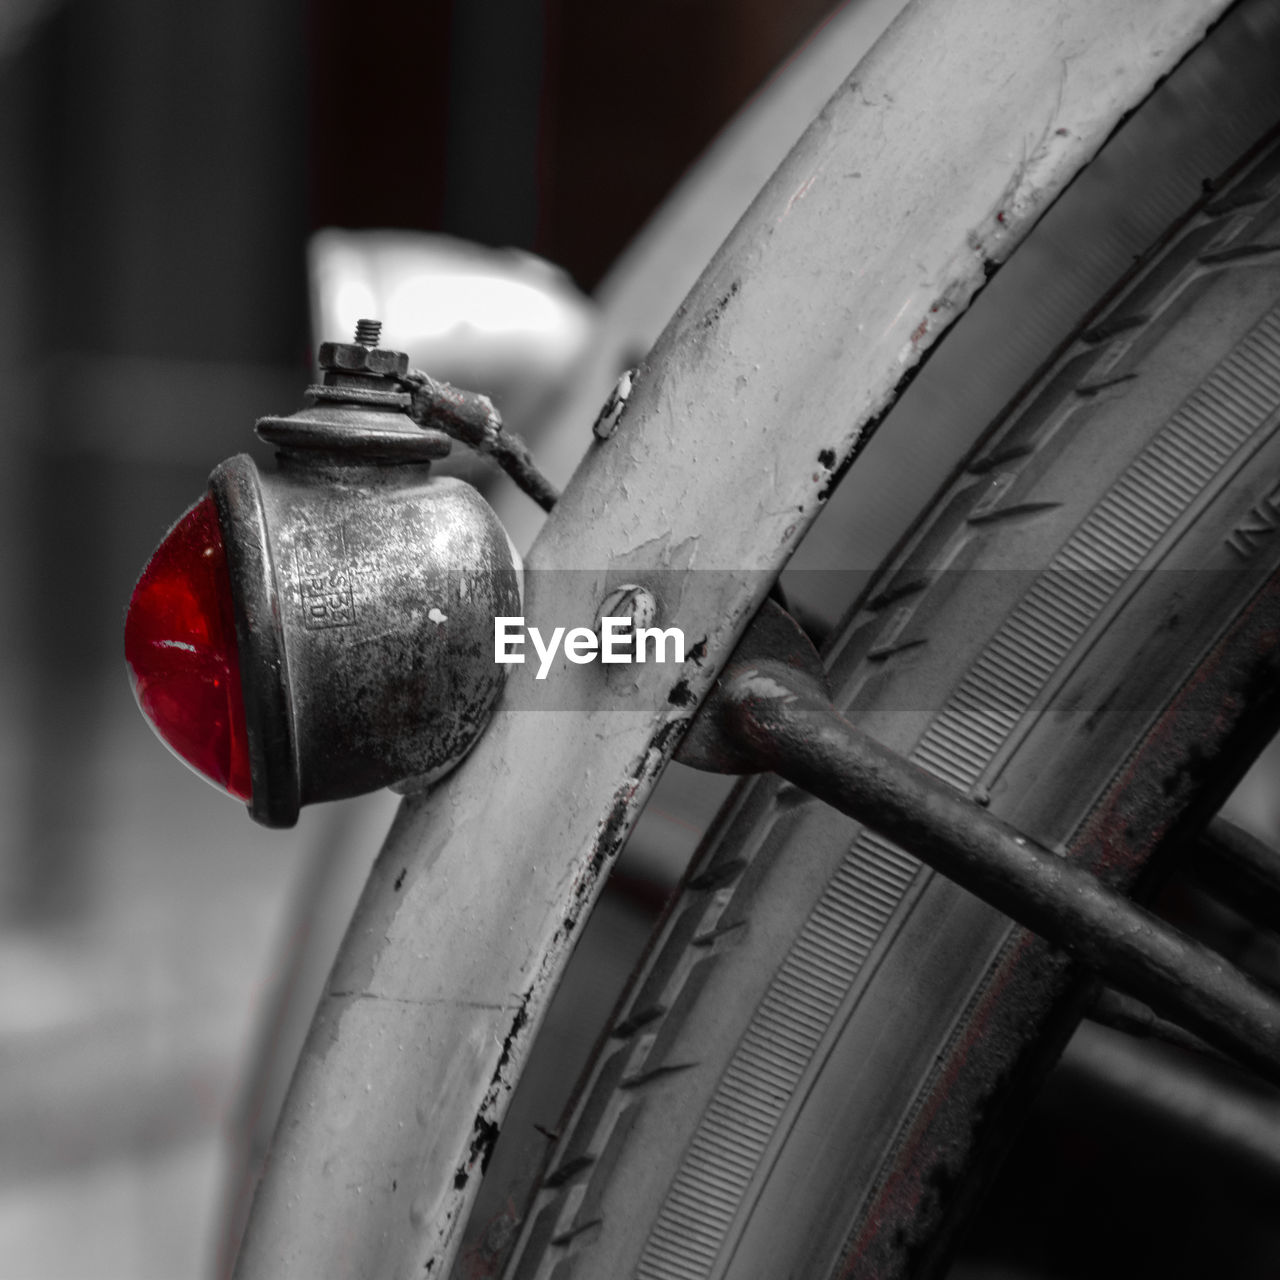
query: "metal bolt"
368, 332
628, 601
607, 420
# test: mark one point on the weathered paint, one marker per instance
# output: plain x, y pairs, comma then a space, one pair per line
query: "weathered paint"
920, 175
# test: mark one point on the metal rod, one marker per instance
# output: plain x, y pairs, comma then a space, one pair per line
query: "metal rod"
1239, 870
1216, 1116
782, 718
1120, 1012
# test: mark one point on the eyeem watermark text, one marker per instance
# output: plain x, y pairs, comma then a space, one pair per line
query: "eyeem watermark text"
618, 641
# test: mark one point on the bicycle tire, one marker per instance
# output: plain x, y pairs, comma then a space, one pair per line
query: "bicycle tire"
702, 1143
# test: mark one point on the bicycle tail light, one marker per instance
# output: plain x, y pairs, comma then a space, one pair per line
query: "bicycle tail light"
183, 657
325, 629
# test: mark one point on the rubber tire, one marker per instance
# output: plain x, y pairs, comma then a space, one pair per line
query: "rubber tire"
827, 1041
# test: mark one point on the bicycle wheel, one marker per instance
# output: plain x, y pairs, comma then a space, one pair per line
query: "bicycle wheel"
761, 388
827, 1045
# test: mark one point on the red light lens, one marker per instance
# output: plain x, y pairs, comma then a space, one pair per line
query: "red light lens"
180, 647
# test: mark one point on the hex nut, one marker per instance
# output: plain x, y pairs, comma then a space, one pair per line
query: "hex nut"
350, 357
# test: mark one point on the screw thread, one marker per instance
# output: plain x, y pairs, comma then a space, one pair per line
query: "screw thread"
368, 332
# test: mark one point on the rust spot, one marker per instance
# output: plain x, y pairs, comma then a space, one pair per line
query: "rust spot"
712, 318
828, 459
681, 696
484, 1132
517, 1025
610, 832
672, 729
400, 879
482, 1142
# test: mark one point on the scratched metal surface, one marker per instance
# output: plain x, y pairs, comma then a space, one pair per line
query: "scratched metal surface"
922, 173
